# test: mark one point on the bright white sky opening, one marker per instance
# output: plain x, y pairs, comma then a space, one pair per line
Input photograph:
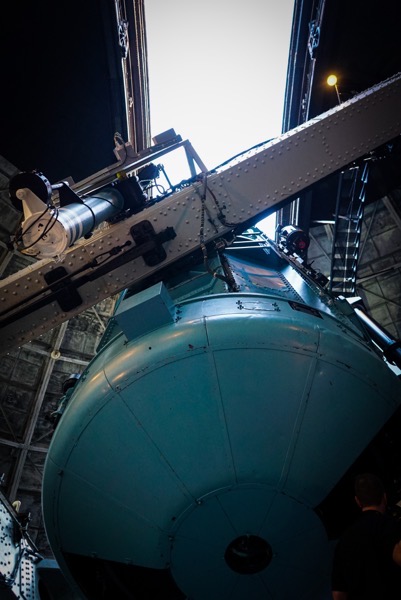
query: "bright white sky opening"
217, 75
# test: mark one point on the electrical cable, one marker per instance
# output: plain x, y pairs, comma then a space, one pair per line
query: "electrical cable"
220, 214
212, 272
49, 226
19, 237
152, 183
242, 154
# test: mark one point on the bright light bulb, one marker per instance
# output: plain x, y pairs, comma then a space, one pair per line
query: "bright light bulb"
332, 80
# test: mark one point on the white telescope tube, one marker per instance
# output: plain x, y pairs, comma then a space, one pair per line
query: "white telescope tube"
49, 233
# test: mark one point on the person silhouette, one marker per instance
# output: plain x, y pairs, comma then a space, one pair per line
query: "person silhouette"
367, 556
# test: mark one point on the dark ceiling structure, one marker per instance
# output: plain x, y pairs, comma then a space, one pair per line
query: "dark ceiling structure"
75, 74
65, 91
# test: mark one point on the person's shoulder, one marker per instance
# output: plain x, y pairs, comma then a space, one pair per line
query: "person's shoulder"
367, 519
361, 530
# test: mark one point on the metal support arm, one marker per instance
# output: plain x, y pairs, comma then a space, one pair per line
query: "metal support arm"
228, 199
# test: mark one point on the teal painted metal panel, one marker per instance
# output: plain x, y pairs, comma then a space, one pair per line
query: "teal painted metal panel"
220, 423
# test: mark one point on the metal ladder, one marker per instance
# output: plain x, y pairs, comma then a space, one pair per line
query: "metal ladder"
347, 230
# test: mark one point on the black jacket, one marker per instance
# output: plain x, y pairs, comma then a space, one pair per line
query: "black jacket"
363, 564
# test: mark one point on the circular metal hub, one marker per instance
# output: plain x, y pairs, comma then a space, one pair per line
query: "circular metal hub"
237, 542
248, 554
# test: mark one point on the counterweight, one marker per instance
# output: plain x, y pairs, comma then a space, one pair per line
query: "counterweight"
212, 423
